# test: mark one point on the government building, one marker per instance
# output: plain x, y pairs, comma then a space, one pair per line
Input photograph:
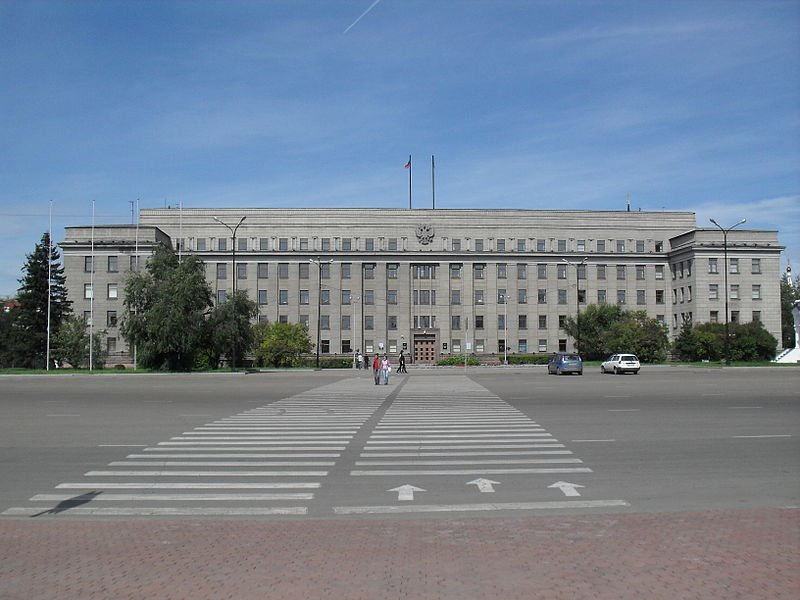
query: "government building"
436, 282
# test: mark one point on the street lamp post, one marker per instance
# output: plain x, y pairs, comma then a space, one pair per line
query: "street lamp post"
233, 231
577, 300
504, 297
353, 300
319, 264
725, 266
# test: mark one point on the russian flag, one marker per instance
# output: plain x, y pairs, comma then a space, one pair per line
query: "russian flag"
408, 164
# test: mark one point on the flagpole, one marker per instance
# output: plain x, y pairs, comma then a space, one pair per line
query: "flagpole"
433, 179
49, 279
410, 168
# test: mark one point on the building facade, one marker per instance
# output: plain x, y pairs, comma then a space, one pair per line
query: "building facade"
438, 282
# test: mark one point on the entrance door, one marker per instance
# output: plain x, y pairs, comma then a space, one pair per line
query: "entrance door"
425, 349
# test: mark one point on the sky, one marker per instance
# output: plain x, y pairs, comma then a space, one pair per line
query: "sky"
527, 104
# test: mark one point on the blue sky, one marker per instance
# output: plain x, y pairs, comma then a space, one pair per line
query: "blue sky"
526, 104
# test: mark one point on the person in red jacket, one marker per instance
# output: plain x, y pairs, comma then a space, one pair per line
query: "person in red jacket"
376, 369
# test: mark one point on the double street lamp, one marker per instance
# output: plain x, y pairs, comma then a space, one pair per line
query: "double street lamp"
319, 264
504, 300
727, 292
233, 231
577, 299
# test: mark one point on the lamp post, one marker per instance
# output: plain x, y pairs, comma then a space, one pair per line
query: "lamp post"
504, 298
353, 300
725, 266
577, 299
319, 264
233, 231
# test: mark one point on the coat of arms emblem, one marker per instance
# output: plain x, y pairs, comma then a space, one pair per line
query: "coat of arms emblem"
425, 234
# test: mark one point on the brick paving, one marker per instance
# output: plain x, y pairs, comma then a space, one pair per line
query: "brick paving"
747, 554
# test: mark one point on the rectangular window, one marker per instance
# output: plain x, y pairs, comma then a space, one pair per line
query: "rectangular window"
620, 296
522, 296
369, 271
347, 244
502, 296
500, 245
222, 270
283, 297
521, 246
620, 245
393, 244
242, 244
391, 322
111, 345
659, 272
263, 270
640, 272
324, 321
712, 265
541, 271
562, 321
659, 247
734, 316
581, 245
479, 322
304, 270
262, 297
601, 272
640, 246
87, 264
134, 263
734, 266
542, 345
581, 296
201, 244
283, 270
562, 296
113, 291
522, 321
756, 316
479, 345
756, 292
325, 270
541, 296
111, 318
263, 244
369, 322
502, 271
455, 296
755, 267
621, 272
325, 346
541, 245
455, 244
479, 298
562, 245
659, 296
369, 244
601, 245
455, 322
522, 271
347, 348
304, 320
455, 271
325, 297
561, 270
369, 297
713, 316
478, 271
640, 297
581, 271
326, 244
479, 245
113, 264
87, 317
222, 244
542, 321
391, 296
713, 291
734, 291
345, 296
304, 244
241, 270
391, 270
601, 296
345, 270
222, 295
283, 244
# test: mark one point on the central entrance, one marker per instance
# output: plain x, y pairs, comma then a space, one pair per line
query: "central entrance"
425, 347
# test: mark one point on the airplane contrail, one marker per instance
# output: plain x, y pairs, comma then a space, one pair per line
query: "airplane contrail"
361, 16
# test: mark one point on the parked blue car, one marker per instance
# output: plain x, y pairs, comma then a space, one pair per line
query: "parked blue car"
565, 363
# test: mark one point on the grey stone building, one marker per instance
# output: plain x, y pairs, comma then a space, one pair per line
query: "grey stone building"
438, 282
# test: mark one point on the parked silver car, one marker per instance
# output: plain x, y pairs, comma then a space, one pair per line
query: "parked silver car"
621, 363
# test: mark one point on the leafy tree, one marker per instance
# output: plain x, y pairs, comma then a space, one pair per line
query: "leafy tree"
748, 342
594, 322
166, 309
635, 332
71, 344
281, 344
6, 339
789, 293
29, 343
231, 328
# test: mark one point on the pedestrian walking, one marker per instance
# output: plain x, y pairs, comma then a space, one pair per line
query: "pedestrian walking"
359, 359
376, 369
386, 368
402, 367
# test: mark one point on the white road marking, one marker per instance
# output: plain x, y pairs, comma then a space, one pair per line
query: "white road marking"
439, 463
624, 409
780, 435
557, 505
121, 445
63, 415
284, 455
216, 463
469, 447
187, 486
569, 489
472, 471
248, 443
106, 497
744, 407
405, 493
239, 448
490, 453
590, 441
205, 474
119, 511
485, 486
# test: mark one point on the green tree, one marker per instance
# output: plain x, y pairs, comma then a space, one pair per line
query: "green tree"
166, 310
71, 344
637, 333
706, 341
231, 328
43, 278
6, 338
281, 344
595, 320
789, 293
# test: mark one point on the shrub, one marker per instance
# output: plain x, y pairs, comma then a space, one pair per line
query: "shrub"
456, 360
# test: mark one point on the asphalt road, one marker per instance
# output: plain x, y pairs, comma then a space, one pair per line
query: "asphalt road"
441, 443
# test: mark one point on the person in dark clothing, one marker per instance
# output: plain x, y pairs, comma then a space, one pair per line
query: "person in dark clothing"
402, 367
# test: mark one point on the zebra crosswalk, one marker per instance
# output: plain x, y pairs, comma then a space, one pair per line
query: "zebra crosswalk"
432, 438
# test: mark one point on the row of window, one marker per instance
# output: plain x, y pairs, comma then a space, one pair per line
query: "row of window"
713, 291
394, 244
733, 266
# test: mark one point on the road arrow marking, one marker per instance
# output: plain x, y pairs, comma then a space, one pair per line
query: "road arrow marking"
484, 485
567, 488
406, 492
